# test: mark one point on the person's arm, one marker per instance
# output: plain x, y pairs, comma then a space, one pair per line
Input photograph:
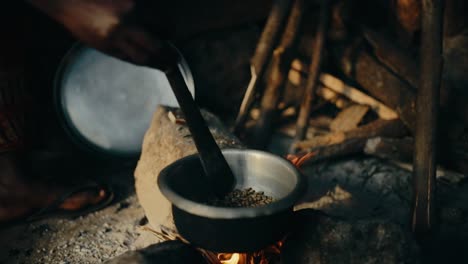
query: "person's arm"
104, 25
131, 29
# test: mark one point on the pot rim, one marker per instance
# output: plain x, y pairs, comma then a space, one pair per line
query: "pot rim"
76, 136
203, 210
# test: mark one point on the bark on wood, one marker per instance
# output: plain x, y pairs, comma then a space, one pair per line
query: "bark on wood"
442, 174
408, 16
349, 118
400, 151
401, 62
380, 83
334, 90
314, 71
397, 59
357, 96
453, 157
329, 151
389, 128
390, 148
315, 129
259, 61
333, 97
323, 122
455, 18
294, 89
281, 61
427, 100
164, 143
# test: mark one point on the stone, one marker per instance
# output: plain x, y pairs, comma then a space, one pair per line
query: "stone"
163, 253
321, 239
164, 143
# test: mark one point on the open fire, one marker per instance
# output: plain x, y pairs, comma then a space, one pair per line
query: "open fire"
269, 255
234, 258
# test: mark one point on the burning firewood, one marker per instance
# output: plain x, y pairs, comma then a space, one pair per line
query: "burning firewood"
299, 159
320, 153
338, 144
393, 128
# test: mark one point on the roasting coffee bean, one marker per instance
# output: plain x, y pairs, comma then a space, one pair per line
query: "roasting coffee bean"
243, 198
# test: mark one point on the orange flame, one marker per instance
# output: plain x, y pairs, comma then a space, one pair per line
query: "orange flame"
234, 258
265, 256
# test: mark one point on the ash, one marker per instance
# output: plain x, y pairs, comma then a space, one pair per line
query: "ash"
94, 238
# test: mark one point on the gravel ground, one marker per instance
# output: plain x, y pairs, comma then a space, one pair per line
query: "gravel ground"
358, 188
91, 239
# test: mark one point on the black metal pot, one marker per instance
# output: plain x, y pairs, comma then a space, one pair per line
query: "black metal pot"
223, 229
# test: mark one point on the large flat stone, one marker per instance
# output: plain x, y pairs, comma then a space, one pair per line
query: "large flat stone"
165, 142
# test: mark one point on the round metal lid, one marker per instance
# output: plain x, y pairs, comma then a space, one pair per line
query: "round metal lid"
107, 104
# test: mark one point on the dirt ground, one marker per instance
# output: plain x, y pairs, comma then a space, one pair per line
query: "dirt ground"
357, 188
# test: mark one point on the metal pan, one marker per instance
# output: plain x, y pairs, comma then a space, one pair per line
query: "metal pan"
222, 229
106, 105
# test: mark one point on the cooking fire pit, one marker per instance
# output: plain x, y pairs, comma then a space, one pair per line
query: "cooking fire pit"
241, 229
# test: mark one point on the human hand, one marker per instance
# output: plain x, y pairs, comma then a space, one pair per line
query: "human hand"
112, 27
135, 30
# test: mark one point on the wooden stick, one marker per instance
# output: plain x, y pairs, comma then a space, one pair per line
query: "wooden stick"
259, 62
349, 118
314, 71
281, 61
357, 96
318, 127
442, 174
393, 57
296, 79
333, 97
390, 148
426, 122
343, 148
403, 64
337, 86
380, 83
453, 157
389, 128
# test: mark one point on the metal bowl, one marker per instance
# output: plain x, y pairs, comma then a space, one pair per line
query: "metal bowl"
223, 229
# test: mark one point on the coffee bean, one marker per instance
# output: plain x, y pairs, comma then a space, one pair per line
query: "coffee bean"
243, 198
